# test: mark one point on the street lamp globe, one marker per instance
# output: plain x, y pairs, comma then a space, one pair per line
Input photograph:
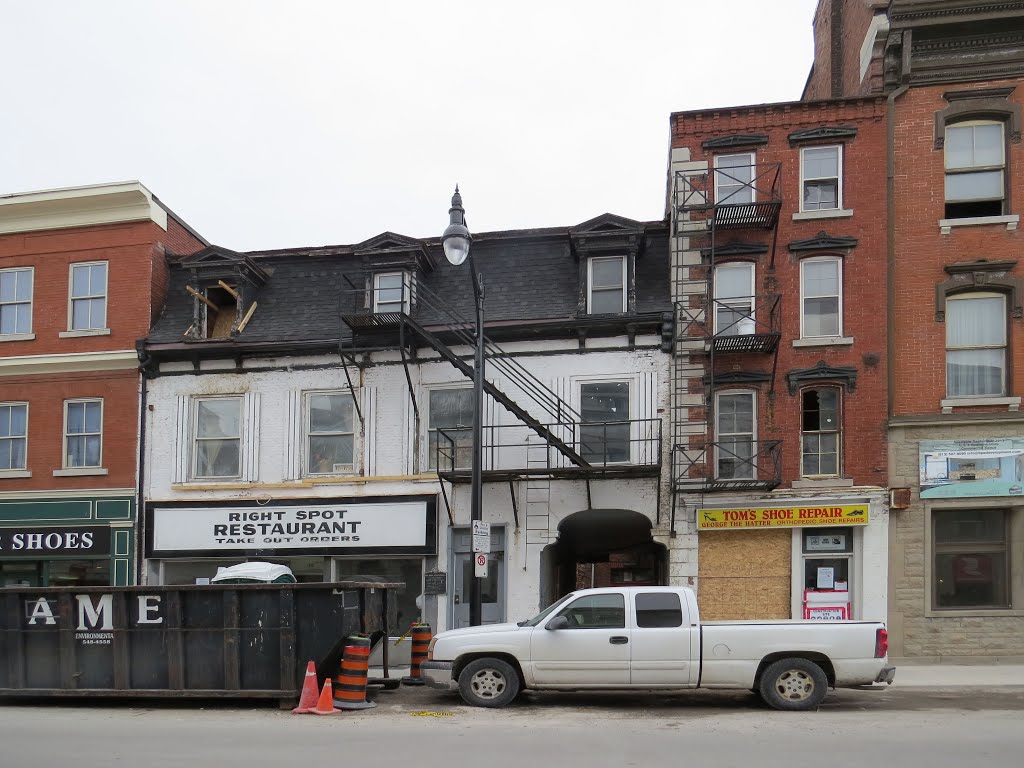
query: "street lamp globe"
456, 238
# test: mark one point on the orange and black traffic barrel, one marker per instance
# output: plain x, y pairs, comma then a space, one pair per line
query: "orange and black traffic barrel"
420, 643
350, 683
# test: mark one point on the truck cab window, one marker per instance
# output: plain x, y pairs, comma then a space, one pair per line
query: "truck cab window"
596, 612
658, 609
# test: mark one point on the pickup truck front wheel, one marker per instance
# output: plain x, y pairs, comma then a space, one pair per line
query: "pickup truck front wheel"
793, 684
488, 683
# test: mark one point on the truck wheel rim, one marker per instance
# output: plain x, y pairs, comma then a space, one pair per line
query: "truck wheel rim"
487, 683
795, 685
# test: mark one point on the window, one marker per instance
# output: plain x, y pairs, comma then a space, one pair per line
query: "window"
736, 432
820, 432
13, 436
975, 163
389, 292
734, 178
604, 432
970, 566
821, 173
607, 279
15, 301
828, 548
450, 428
596, 612
821, 313
83, 433
330, 433
89, 296
976, 345
217, 437
658, 609
219, 319
734, 299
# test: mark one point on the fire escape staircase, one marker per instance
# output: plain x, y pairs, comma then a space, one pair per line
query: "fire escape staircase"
708, 325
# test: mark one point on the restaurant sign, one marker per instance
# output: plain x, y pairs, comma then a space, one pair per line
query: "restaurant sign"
782, 517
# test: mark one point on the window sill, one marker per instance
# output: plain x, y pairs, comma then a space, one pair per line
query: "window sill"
17, 337
829, 341
78, 334
958, 613
1011, 403
834, 213
14, 473
1011, 221
823, 482
80, 472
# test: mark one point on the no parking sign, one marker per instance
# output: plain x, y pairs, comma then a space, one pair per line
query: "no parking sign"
480, 563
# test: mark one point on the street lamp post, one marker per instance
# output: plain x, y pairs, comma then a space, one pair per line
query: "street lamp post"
456, 242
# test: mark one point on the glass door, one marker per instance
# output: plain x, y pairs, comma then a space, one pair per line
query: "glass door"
492, 597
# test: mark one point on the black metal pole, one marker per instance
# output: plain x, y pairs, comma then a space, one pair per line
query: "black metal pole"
476, 487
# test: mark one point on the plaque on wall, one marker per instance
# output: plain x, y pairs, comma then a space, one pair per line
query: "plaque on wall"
435, 583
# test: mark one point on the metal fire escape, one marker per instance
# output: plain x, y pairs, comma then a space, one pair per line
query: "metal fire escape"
713, 210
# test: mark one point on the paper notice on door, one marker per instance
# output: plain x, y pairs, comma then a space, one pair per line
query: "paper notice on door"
826, 578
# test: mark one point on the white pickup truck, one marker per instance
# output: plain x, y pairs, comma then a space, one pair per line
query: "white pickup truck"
642, 638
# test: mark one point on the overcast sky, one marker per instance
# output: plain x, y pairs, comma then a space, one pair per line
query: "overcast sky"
308, 122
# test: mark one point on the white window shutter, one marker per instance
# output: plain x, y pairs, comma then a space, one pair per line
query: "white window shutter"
251, 437
368, 404
295, 432
182, 438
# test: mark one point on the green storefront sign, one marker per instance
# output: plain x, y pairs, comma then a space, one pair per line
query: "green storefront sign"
79, 540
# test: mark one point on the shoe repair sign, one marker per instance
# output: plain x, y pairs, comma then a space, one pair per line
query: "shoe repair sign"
782, 517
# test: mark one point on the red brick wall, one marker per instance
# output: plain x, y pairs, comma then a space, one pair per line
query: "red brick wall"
45, 395
819, 85
864, 413
177, 241
836, 73
922, 252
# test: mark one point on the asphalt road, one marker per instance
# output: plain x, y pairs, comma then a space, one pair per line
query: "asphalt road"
424, 729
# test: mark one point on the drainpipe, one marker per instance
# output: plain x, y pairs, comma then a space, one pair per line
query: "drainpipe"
890, 244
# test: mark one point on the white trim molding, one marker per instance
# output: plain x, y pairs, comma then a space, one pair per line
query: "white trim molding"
1011, 403
116, 360
113, 203
81, 472
1011, 221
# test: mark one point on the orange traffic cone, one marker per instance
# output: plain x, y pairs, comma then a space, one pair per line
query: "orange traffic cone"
325, 706
307, 701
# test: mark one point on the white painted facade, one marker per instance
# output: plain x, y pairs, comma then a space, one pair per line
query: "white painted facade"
391, 455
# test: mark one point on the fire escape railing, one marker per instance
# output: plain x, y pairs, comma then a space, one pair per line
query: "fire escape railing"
727, 465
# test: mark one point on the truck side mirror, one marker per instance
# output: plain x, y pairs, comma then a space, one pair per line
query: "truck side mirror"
559, 622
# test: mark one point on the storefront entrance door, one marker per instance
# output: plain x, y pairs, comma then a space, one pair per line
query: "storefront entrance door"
492, 587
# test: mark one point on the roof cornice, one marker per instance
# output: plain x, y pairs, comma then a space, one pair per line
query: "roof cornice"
88, 206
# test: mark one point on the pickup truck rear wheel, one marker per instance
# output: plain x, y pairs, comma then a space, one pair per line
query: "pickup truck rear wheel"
488, 683
793, 684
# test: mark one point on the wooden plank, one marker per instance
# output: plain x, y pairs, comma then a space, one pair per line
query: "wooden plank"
202, 298
248, 316
228, 288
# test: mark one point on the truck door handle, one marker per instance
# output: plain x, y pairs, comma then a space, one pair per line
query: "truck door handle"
618, 639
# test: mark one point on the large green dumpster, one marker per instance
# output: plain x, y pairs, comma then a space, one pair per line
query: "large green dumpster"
239, 640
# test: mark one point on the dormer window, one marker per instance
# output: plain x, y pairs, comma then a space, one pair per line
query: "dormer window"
220, 320
391, 292
606, 285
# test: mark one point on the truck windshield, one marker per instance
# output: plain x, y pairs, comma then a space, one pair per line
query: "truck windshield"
545, 613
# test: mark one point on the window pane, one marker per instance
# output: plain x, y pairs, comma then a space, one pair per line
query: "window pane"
736, 414
821, 278
734, 280
975, 372
12, 453
330, 413
605, 301
451, 408
735, 458
5, 420
988, 145
971, 580
79, 314
330, 453
217, 458
734, 319
595, 612
83, 451
821, 317
79, 281
606, 273
97, 313
658, 609
821, 163
389, 288
93, 413
8, 286
452, 450
821, 409
98, 279
219, 418
8, 319
959, 147
18, 420
23, 323
984, 185
76, 418
975, 322
821, 195
970, 526
733, 178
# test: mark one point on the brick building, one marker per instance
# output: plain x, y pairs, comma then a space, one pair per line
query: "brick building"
82, 275
951, 72
779, 380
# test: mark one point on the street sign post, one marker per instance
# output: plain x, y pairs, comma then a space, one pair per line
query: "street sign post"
480, 565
